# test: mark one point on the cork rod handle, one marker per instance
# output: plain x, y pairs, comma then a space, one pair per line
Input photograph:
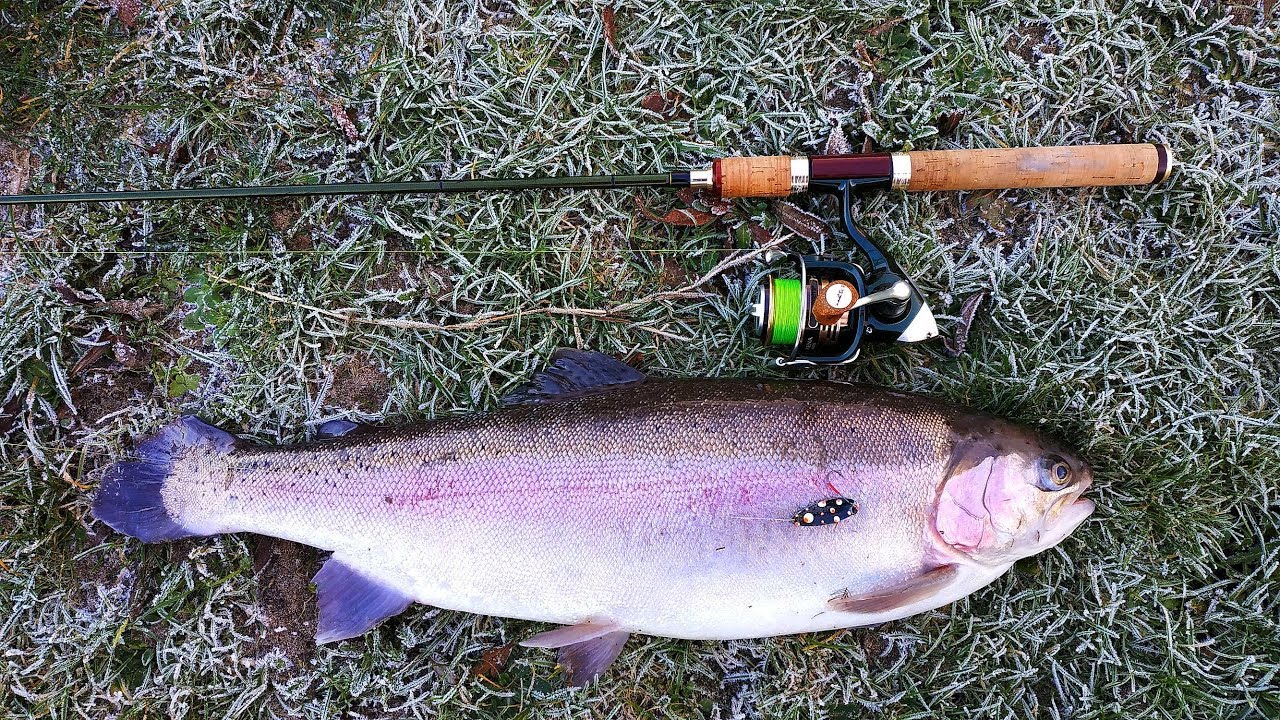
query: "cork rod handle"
1036, 167
762, 176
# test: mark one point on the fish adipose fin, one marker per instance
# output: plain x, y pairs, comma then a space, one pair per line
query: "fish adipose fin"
574, 373
350, 603
586, 649
900, 595
130, 498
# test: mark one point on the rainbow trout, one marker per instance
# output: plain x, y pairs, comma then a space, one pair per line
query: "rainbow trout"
611, 503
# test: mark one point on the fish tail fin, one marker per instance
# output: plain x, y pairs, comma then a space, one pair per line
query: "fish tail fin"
131, 497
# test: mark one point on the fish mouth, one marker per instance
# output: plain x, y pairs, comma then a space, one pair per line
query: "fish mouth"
1071, 513
1081, 507
1076, 513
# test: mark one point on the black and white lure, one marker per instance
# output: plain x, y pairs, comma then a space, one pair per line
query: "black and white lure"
825, 512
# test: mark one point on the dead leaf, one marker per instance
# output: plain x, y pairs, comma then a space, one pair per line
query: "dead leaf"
955, 347
137, 308
680, 217
664, 104
127, 11
715, 204
72, 295
672, 275
9, 415
345, 119
801, 222
610, 30
493, 661
861, 47
884, 27
95, 354
948, 122
129, 356
16, 165
759, 234
837, 143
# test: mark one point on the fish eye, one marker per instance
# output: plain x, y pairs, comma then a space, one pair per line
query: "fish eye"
1055, 474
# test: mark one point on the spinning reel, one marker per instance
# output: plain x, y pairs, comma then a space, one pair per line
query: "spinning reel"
821, 315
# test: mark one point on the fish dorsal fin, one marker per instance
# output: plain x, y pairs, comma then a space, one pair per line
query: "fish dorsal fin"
908, 592
574, 373
352, 603
336, 429
586, 649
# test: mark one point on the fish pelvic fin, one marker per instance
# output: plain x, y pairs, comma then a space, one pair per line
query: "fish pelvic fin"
574, 373
352, 603
131, 497
585, 661
586, 649
570, 634
901, 595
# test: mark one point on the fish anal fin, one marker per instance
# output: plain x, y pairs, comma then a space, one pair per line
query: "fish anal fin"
903, 594
573, 373
352, 603
585, 661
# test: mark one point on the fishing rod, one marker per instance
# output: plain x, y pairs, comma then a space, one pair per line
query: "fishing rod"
822, 315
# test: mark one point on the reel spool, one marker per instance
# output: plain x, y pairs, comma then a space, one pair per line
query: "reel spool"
816, 316
822, 317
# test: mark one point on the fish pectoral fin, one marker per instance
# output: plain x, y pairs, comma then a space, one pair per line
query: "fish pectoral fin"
586, 649
574, 373
905, 593
352, 603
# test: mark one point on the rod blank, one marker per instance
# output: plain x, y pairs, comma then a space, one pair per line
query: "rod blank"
427, 187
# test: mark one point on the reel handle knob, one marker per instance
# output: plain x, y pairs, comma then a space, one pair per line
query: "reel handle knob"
898, 291
835, 300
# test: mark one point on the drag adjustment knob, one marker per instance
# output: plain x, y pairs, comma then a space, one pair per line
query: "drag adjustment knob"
833, 301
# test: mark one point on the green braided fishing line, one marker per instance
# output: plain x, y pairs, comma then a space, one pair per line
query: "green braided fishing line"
786, 310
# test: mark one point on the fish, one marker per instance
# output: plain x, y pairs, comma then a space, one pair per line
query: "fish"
610, 503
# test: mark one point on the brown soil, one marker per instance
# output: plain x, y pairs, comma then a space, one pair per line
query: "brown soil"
105, 392
1028, 41
284, 570
98, 569
358, 383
